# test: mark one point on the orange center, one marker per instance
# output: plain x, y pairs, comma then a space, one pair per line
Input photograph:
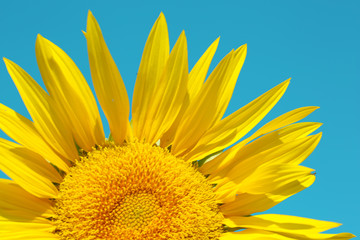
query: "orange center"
136, 211
136, 191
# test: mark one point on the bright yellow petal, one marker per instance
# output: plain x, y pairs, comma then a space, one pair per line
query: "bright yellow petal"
43, 111
28, 169
289, 145
289, 132
274, 182
195, 82
209, 105
198, 73
228, 86
15, 223
320, 236
29, 235
266, 179
252, 234
170, 93
27, 230
199, 115
22, 130
21, 216
232, 128
296, 131
108, 84
247, 203
70, 91
16, 202
283, 120
153, 62
280, 223
284, 135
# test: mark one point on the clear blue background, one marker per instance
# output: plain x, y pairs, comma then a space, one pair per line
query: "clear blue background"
314, 42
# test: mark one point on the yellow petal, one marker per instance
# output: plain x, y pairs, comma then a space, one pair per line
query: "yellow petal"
283, 120
230, 178
12, 201
198, 73
15, 224
22, 130
153, 61
280, 223
281, 145
320, 236
28, 169
230, 81
267, 180
67, 86
43, 111
170, 92
284, 135
232, 128
288, 132
293, 152
29, 234
195, 82
237, 203
253, 234
27, 230
108, 84
21, 216
209, 105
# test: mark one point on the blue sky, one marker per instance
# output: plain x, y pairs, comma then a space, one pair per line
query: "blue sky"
316, 43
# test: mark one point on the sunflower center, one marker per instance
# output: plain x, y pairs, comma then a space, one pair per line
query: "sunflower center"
136, 191
136, 211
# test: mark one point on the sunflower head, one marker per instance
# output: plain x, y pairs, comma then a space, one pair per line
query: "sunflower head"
179, 169
136, 190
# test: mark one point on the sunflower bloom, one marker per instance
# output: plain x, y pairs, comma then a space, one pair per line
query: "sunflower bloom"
178, 170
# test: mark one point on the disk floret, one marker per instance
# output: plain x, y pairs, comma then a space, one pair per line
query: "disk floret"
136, 191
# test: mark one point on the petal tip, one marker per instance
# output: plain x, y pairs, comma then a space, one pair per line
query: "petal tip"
161, 19
8, 62
182, 35
39, 39
91, 20
161, 15
318, 136
44, 41
90, 13
286, 82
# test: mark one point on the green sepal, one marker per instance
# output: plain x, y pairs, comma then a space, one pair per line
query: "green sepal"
210, 157
110, 138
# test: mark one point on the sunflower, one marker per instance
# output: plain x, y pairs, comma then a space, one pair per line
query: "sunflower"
177, 170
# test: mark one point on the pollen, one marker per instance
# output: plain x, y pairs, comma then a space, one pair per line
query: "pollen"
136, 191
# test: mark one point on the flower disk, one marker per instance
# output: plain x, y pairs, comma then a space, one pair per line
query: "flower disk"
136, 191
